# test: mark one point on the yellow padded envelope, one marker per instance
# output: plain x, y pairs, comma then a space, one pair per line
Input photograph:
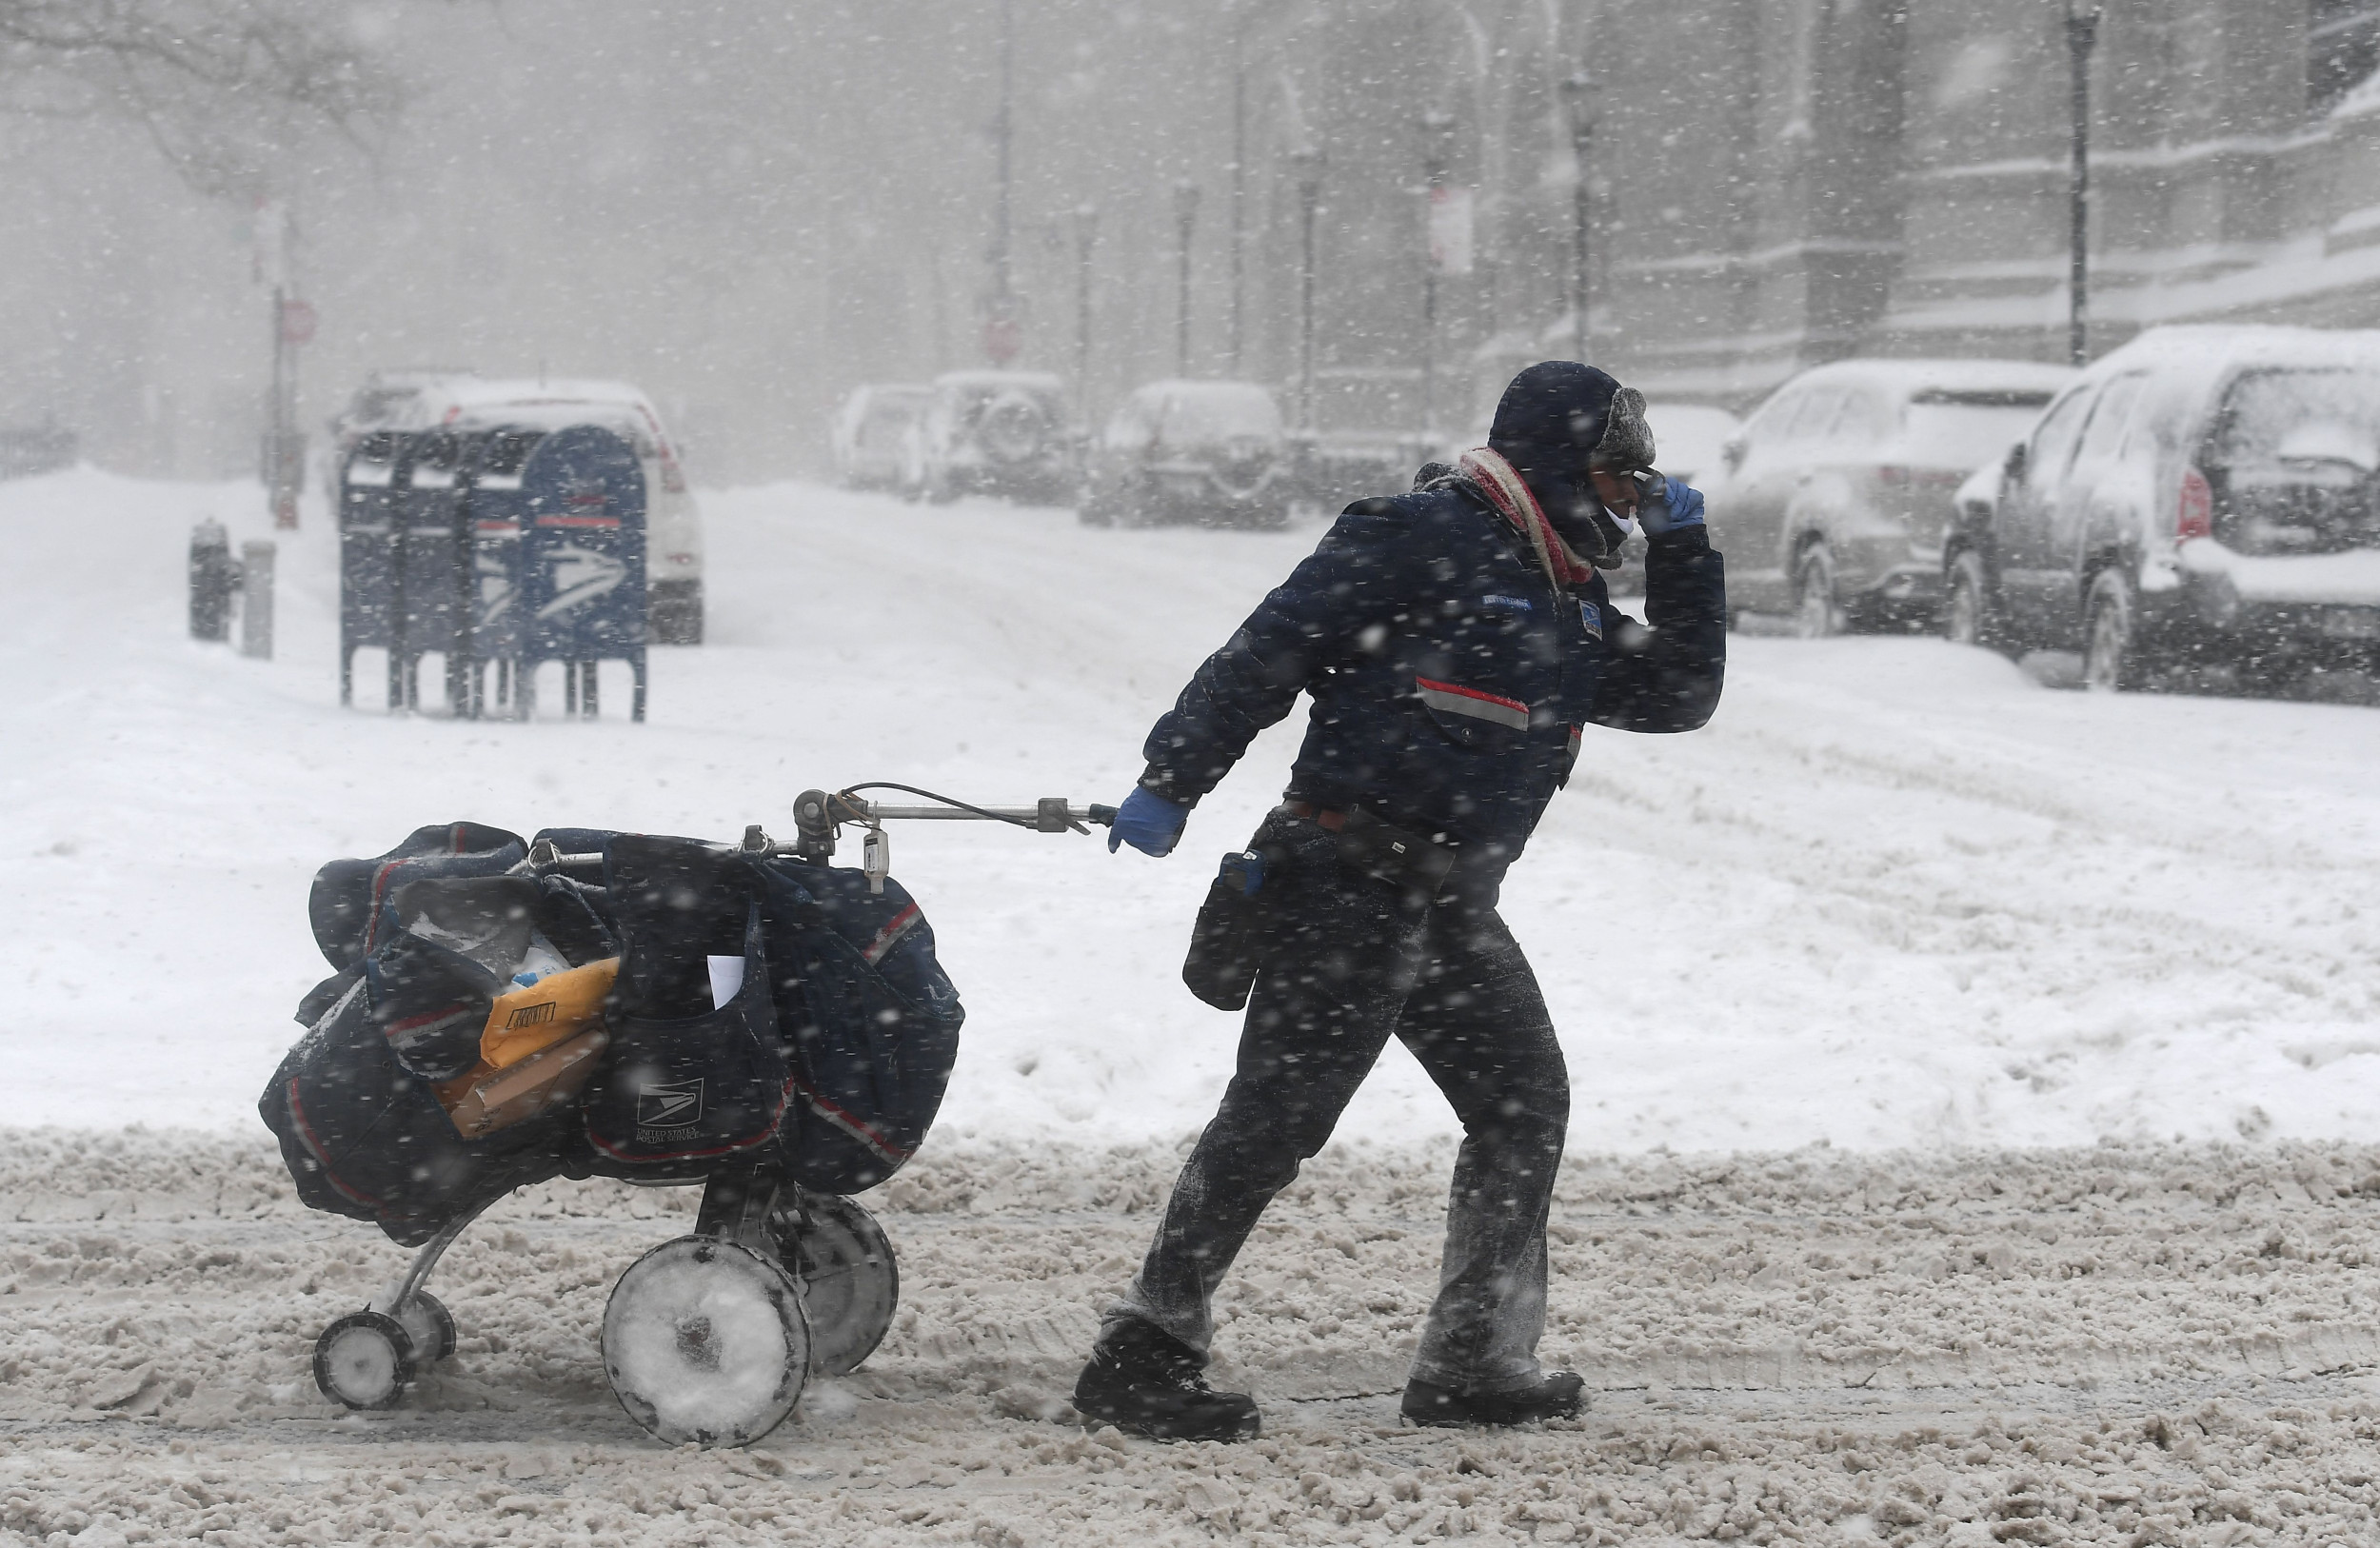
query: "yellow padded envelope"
540, 1047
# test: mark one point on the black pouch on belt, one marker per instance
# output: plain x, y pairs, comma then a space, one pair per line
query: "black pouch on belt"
1388, 853
1227, 943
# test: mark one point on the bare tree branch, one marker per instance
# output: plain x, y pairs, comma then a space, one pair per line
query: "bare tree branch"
223, 89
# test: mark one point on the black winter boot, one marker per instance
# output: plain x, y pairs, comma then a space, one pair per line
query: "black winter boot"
1144, 1380
1555, 1394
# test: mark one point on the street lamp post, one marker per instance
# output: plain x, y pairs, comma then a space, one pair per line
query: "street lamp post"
2082, 35
1239, 175
1579, 104
1307, 162
1185, 216
1086, 232
1438, 136
1002, 328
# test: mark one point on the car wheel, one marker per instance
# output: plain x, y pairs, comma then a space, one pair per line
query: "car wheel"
673, 613
1967, 615
1816, 615
2112, 653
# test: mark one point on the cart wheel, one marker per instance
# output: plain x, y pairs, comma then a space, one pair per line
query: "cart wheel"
850, 1281
431, 1327
364, 1360
705, 1341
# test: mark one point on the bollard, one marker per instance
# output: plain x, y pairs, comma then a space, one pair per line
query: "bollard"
210, 581
256, 599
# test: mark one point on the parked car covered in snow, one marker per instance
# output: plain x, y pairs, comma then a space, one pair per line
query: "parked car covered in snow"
673, 586
875, 434
2202, 495
28, 449
994, 432
1210, 452
1833, 500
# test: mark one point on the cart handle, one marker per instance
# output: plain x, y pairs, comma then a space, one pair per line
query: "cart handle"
818, 815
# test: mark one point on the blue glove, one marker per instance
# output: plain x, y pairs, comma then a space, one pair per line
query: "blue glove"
1149, 823
1670, 506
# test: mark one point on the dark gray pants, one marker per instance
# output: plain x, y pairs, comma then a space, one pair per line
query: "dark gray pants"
1356, 960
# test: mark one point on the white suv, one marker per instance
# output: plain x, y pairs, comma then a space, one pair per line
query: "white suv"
673, 522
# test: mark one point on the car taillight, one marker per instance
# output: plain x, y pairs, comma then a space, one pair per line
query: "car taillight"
2194, 513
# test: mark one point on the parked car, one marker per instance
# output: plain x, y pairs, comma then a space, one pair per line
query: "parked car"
1833, 500
874, 433
30, 450
1210, 452
997, 433
2201, 496
673, 586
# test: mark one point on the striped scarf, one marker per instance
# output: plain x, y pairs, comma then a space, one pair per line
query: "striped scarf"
1501, 482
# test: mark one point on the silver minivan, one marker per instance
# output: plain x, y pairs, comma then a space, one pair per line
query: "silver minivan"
2202, 496
674, 534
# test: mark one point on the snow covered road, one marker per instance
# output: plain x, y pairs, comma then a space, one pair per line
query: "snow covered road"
2119, 1345
1896, 894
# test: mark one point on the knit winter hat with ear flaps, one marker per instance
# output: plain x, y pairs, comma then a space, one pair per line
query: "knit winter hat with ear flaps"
1560, 418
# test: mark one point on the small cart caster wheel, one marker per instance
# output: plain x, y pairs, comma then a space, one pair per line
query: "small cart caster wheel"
431, 1327
705, 1341
364, 1360
850, 1283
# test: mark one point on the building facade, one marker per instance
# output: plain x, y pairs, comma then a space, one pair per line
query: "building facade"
1776, 183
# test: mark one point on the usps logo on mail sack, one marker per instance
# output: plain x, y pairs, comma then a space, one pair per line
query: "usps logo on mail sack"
1591, 620
668, 1105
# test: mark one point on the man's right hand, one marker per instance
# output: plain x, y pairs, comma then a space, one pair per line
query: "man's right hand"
1669, 505
1149, 823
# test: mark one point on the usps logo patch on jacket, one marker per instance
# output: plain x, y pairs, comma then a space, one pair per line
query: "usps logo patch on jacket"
1591, 620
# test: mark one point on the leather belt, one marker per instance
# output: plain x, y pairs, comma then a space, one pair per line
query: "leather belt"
1377, 849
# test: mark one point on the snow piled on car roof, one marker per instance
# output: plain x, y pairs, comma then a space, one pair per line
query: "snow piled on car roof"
1908, 376
1027, 381
2220, 346
473, 392
1186, 390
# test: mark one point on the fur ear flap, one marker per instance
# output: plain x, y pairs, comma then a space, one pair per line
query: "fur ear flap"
1627, 442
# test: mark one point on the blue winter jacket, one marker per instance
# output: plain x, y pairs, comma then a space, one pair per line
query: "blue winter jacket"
1451, 677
